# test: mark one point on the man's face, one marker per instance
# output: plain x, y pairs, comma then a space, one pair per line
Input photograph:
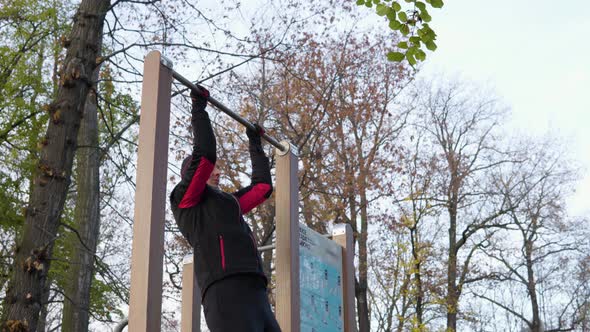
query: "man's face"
214, 177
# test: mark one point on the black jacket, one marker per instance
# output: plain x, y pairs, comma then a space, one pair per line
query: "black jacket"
210, 219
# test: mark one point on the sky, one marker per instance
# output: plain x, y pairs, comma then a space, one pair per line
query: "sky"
536, 56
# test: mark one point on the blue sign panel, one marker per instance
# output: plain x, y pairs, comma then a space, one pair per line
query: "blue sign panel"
320, 273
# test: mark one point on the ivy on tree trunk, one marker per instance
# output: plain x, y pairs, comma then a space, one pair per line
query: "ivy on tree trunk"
24, 296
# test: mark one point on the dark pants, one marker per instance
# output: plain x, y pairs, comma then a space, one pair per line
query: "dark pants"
239, 304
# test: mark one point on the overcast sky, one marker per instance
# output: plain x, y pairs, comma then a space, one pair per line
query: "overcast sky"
536, 54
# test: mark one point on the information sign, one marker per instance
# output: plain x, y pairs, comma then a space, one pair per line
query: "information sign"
320, 261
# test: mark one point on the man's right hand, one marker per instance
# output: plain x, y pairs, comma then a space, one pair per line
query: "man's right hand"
199, 98
254, 135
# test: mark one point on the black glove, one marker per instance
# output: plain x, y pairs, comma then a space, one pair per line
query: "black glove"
254, 135
200, 98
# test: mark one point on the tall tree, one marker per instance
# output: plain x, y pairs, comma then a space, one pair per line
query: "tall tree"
543, 243
332, 105
390, 277
461, 126
48, 195
363, 149
414, 203
84, 235
29, 30
325, 97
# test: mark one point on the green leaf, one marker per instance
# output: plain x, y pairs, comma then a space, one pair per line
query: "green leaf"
425, 16
421, 33
426, 34
360, 2
421, 5
420, 55
432, 34
436, 3
405, 29
382, 9
415, 40
431, 45
396, 6
411, 59
403, 45
369, 4
395, 56
403, 16
395, 25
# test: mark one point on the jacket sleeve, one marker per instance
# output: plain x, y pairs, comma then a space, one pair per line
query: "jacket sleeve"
260, 187
189, 191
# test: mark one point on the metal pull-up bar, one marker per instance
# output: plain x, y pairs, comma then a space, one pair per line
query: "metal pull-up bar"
220, 106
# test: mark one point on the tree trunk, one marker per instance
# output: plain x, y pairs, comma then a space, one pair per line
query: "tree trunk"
405, 299
364, 313
46, 202
42, 321
354, 225
531, 286
86, 220
417, 257
452, 293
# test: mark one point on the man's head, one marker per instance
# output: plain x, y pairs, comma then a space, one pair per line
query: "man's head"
213, 180
214, 177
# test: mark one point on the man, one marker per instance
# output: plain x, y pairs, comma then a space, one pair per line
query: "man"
227, 264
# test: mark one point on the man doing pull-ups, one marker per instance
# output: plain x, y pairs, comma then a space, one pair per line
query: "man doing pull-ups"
227, 263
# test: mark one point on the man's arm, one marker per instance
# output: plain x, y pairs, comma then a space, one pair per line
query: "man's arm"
195, 175
261, 184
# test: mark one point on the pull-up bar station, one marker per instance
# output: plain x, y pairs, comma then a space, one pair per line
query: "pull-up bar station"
148, 228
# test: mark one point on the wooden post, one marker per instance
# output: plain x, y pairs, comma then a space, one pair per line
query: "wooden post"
190, 318
287, 240
342, 234
145, 303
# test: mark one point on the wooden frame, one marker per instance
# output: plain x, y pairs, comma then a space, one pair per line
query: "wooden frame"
148, 229
287, 240
145, 303
342, 234
190, 318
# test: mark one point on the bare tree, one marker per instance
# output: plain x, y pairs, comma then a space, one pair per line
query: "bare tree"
390, 277
538, 251
417, 231
344, 121
361, 151
461, 126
